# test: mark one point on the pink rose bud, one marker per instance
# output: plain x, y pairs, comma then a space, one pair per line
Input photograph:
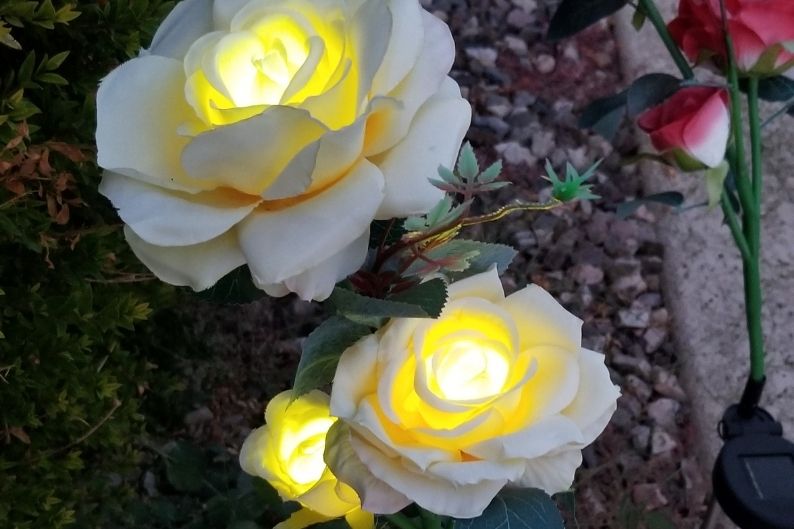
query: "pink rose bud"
760, 31
691, 128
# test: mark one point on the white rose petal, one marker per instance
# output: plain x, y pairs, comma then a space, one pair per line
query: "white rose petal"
281, 128
198, 266
282, 243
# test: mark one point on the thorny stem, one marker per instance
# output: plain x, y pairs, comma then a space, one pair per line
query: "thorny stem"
444, 233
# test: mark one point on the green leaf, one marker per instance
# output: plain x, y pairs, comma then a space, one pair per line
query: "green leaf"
430, 295
370, 311
443, 213
185, 465
639, 18
447, 175
26, 68
668, 198
575, 15
491, 173
236, 287
52, 78
7, 39
489, 254
461, 258
650, 90
605, 115
321, 352
778, 88
658, 520
468, 168
517, 509
54, 62
715, 180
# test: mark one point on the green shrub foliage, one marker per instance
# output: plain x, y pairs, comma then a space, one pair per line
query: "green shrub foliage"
79, 348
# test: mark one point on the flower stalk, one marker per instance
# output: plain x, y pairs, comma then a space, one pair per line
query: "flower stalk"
750, 190
650, 10
753, 292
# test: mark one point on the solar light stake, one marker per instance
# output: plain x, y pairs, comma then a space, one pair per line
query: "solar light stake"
753, 476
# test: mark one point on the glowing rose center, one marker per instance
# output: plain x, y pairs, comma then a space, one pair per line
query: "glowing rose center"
467, 370
303, 451
255, 74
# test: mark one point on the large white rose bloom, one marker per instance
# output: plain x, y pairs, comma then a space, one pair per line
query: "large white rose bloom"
272, 132
446, 412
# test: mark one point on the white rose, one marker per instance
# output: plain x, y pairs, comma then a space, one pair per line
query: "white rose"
446, 412
272, 132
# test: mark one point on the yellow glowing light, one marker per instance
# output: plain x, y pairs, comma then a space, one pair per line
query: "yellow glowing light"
468, 370
302, 450
252, 73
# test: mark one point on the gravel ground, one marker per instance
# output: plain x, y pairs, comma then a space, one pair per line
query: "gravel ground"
642, 471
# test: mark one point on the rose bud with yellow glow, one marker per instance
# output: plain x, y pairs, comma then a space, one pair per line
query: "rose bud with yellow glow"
445, 412
288, 452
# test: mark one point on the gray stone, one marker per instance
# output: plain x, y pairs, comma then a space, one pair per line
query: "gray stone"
523, 98
498, 105
648, 496
654, 338
544, 63
629, 287
587, 274
638, 366
483, 55
526, 5
640, 438
518, 18
638, 387
514, 153
516, 45
525, 239
666, 384
198, 416
492, 123
542, 143
636, 317
663, 412
662, 442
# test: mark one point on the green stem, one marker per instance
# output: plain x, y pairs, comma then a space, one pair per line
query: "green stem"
649, 7
735, 227
753, 293
400, 520
750, 197
742, 178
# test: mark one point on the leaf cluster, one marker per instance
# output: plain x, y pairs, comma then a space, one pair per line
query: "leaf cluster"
82, 352
190, 487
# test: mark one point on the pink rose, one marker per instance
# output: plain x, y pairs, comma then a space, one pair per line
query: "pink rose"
691, 128
759, 29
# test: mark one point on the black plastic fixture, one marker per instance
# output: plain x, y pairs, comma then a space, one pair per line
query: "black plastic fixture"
753, 477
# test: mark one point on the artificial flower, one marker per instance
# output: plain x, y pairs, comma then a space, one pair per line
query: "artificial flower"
288, 452
273, 132
445, 412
